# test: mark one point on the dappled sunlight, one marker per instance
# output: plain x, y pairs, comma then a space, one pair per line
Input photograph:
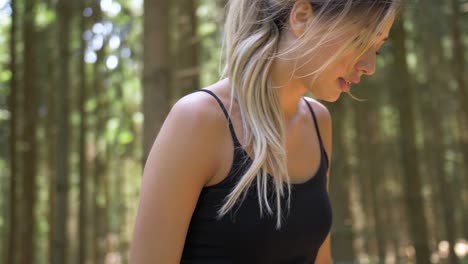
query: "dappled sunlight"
112, 62
443, 249
114, 42
97, 42
137, 6
104, 33
3, 3
126, 53
90, 57
114, 258
87, 12
110, 7
87, 35
461, 248
407, 254
5, 10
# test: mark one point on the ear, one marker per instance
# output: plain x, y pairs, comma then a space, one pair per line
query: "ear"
301, 13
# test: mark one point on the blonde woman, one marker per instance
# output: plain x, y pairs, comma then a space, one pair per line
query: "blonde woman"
239, 171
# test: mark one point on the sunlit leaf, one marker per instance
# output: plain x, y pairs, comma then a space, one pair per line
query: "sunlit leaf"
207, 29
91, 105
44, 15
111, 129
4, 115
5, 75
138, 118
125, 137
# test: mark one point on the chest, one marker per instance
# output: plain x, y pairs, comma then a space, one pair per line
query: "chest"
248, 238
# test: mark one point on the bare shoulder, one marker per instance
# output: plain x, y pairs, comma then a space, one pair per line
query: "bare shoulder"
183, 158
203, 107
198, 109
321, 111
197, 115
194, 123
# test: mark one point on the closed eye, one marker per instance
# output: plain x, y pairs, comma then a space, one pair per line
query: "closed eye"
382, 48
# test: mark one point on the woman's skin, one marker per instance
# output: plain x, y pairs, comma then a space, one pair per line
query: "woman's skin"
194, 147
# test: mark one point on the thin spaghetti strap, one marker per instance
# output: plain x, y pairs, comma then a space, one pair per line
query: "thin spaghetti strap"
315, 122
231, 127
219, 102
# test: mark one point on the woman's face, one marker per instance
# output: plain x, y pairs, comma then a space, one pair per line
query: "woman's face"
339, 76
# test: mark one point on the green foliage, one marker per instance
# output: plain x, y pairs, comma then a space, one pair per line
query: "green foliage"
138, 118
45, 16
210, 15
111, 131
125, 137
91, 105
4, 116
3, 168
5, 76
206, 29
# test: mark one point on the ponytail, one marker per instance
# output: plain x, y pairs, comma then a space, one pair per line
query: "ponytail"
251, 41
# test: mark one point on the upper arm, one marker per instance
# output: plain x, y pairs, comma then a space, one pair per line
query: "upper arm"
179, 164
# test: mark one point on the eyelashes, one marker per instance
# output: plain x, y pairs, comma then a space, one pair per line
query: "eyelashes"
382, 48
377, 52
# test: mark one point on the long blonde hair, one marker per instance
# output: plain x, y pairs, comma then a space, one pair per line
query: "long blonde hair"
252, 32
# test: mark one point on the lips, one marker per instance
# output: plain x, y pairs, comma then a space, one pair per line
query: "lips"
344, 85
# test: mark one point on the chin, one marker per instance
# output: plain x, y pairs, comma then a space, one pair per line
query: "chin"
330, 100
327, 93
330, 97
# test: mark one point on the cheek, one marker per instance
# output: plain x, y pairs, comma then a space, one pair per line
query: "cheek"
306, 65
344, 65
337, 69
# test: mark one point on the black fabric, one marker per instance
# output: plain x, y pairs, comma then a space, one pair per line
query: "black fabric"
242, 236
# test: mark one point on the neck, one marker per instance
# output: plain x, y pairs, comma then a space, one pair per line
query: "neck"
290, 91
290, 97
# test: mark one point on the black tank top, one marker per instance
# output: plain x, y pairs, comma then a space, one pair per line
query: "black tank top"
245, 237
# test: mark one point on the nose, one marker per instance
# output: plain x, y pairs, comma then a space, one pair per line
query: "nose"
366, 63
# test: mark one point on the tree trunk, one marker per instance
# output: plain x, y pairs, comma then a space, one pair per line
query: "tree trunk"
51, 132
435, 133
369, 169
29, 190
186, 76
100, 202
62, 183
403, 99
459, 72
156, 70
342, 233
12, 235
83, 185
444, 180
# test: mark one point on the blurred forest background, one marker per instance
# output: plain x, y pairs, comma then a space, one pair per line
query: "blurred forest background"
85, 86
